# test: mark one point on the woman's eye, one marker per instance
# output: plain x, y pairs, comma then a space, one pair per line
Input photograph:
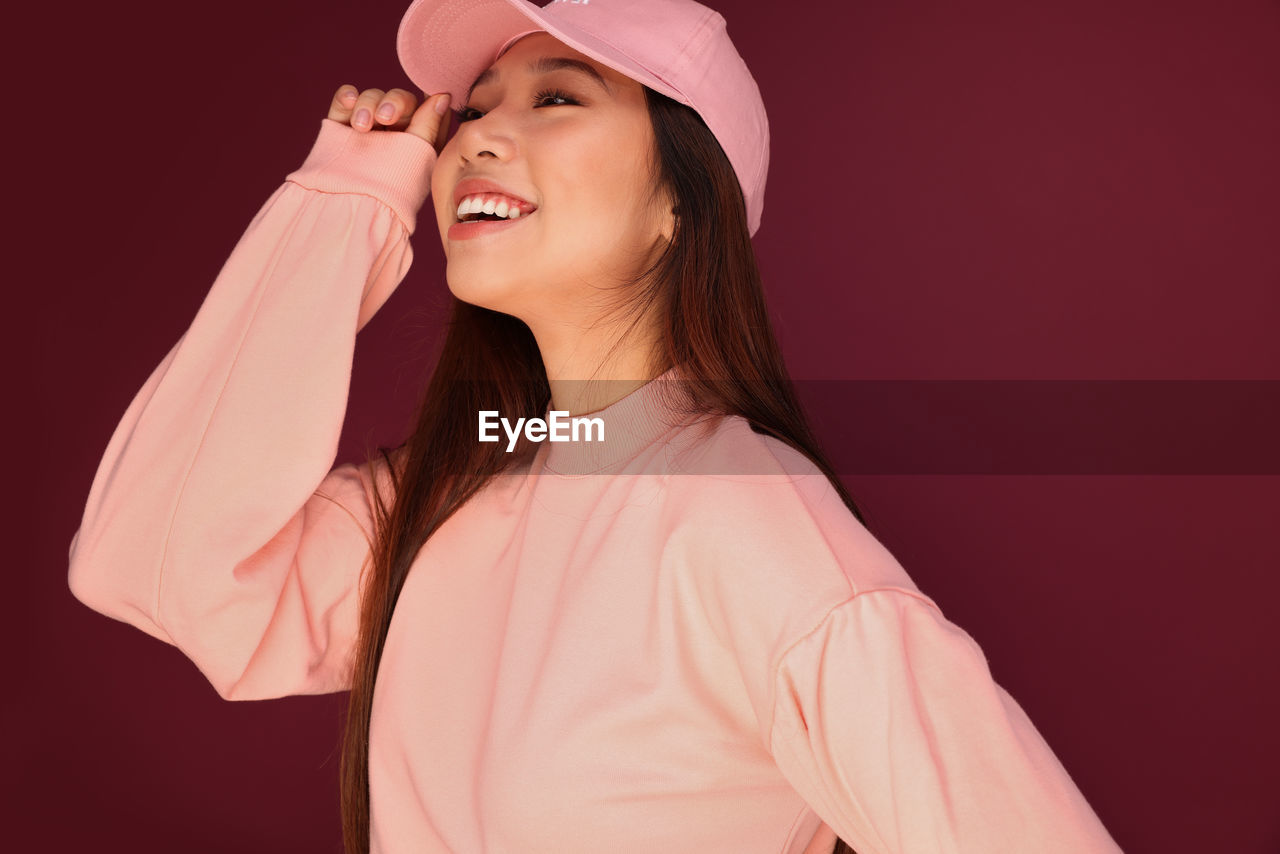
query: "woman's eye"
466, 114
554, 94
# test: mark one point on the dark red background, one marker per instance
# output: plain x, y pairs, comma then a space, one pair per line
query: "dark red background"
986, 190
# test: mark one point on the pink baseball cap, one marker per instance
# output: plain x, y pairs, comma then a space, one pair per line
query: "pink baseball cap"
679, 48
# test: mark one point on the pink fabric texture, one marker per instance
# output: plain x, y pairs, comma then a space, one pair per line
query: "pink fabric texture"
631, 659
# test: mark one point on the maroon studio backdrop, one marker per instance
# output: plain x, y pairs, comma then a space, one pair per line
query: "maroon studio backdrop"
987, 190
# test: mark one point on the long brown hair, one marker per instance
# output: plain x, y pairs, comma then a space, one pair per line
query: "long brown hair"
705, 290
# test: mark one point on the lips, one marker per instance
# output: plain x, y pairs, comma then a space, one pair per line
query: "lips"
477, 188
474, 186
486, 205
468, 230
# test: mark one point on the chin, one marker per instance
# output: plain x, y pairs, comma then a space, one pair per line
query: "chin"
493, 292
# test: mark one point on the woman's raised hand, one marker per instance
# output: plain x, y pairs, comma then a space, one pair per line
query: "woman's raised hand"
395, 109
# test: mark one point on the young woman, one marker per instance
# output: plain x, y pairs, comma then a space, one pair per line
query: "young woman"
671, 634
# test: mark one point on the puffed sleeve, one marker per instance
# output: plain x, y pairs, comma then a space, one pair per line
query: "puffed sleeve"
216, 520
887, 721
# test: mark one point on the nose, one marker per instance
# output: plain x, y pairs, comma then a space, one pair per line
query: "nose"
489, 135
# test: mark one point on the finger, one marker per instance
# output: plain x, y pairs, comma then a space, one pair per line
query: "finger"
343, 100
395, 108
362, 113
442, 133
431, 120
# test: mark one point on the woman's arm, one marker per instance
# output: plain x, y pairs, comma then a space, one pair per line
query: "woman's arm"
216, 521
888, 723
881, 713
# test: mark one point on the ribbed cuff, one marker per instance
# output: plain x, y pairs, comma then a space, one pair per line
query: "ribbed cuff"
392, 166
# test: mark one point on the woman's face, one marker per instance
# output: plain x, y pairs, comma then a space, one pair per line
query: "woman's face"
575, 148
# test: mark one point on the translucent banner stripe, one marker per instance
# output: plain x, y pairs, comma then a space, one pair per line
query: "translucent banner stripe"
1170, 427
1019, 427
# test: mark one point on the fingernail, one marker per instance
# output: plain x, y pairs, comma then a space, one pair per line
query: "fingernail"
362, 117
385, 111
442, 104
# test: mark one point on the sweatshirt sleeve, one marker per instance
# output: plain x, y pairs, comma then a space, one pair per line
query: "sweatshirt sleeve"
888, 723
216, 520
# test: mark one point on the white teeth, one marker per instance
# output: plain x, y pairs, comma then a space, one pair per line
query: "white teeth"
475, 204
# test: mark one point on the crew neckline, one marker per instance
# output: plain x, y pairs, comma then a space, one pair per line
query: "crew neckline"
631, 424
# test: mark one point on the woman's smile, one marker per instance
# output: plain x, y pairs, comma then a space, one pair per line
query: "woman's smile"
484, 227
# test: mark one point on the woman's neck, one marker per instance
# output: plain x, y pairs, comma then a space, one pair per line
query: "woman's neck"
577, 396
582, 382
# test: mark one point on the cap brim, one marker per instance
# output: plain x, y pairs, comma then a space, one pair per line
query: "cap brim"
443, 45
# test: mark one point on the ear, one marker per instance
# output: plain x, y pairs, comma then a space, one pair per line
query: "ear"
670, 211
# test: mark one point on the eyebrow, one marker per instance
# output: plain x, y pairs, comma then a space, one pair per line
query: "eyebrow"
545, 65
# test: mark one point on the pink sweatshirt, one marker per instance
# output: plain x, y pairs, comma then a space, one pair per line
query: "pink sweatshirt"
653, 660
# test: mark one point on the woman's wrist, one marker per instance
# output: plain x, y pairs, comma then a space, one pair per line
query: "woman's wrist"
392, 166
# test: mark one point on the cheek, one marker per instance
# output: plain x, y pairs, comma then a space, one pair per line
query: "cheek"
609, 195
440, 194
443, 180
626, 170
